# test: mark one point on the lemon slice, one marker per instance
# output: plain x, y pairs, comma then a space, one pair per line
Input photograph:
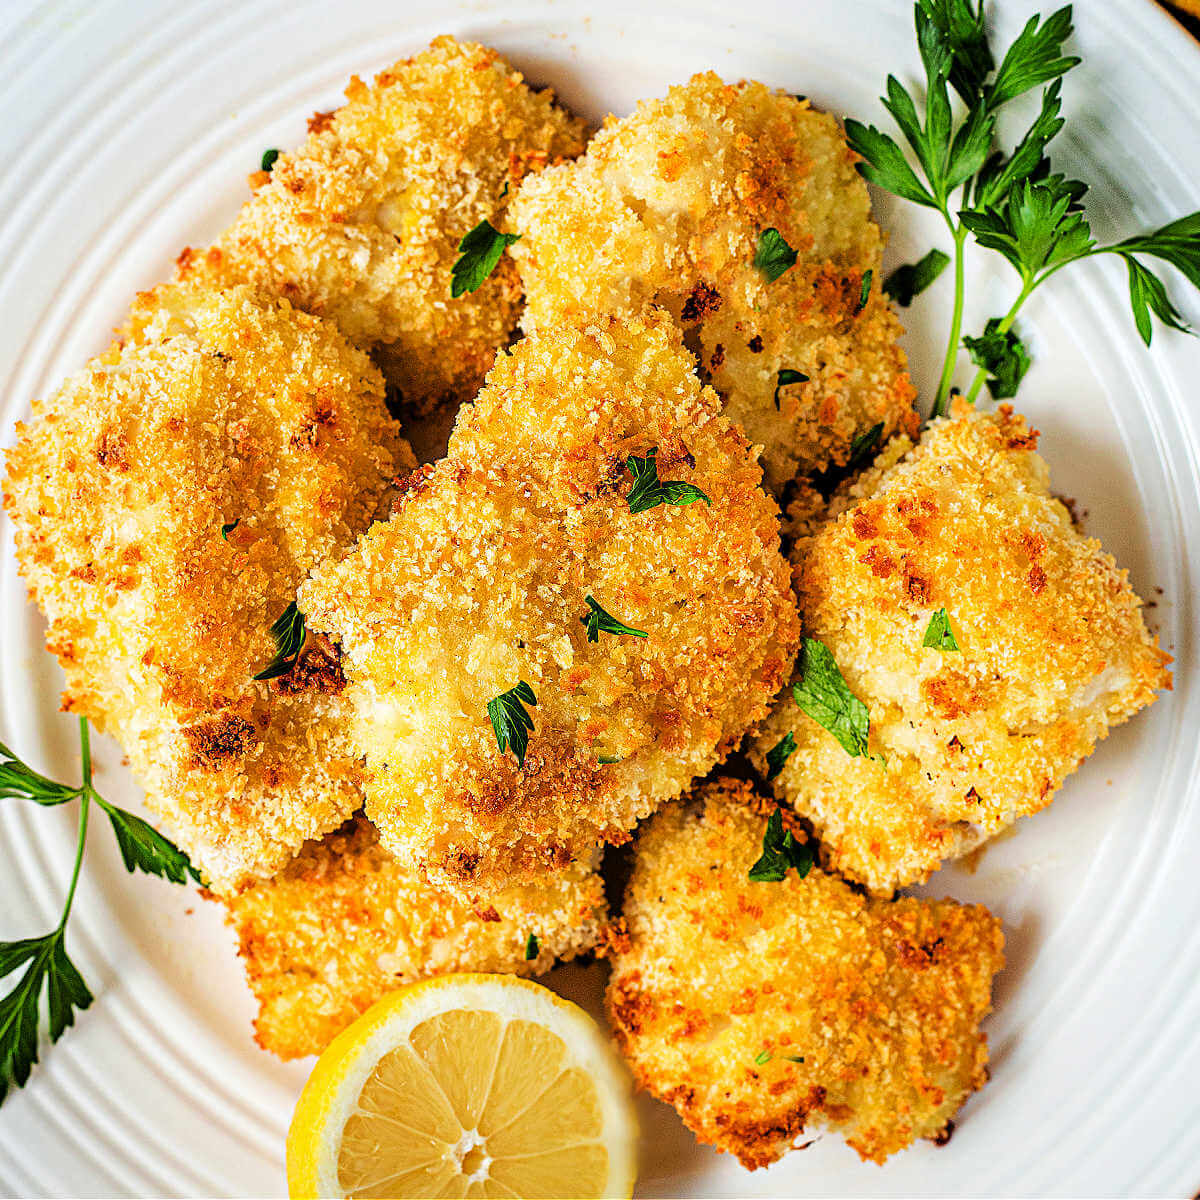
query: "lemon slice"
465, 1085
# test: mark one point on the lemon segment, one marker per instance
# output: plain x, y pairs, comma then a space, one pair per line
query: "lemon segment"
465, 1085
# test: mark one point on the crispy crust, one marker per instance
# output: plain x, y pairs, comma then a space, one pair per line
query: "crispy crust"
1054, 651
881, 999
667, 207
361, 224
479, 580
231, 408
344, 923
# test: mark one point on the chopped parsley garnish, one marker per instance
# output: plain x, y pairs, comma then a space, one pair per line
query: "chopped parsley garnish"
864, 291
226, 530
48, 968
797, 1058
939, 635
598, 621
822, 694
773, 255
862, 448
268, 159
531, 947
780, 853
511, 723
479, 252
607, 760
780, 753
786, 376
1002, 355
913, 278
289, 633
649, 491
763, 1056
1012, 202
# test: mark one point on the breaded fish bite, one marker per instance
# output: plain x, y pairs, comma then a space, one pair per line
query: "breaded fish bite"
1046, 651
167, 501
672, 205
760, 1008
344, 923
555, 632
362, 223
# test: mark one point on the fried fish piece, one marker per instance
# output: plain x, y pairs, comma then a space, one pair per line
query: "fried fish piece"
167, 502
345, 922
483, 582
760, 1008
362, 223
671, 206
1051, 651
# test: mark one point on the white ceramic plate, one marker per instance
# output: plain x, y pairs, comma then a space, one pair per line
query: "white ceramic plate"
129, 129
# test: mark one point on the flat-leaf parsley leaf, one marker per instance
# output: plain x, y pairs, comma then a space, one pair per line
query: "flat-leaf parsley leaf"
510, 722
913, 278
785, 377
598, 621
780, 853
479, 253
780, 753
649, 491
289, 633
823, 694
939, 635
773, 255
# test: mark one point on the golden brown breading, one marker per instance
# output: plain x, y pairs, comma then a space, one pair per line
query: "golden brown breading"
757, 1008
361, 224
344, 923
479, 581
668, 205
1053, 651
233, 411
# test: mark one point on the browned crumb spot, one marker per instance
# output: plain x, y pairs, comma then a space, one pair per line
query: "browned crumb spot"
315, 670
703, 300
755, 344
214, 741
320, 121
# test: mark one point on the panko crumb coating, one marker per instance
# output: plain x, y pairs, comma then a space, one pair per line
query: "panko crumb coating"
361, 224
344, 923
721, 983
1053, 651
667, 206
479, 581
233, 411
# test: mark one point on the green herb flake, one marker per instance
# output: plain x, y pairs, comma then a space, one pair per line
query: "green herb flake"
226, 530
531, 947
864, 291
780, 753
511, 723
1002, 355
796, 1058
939, 635
479, 254
822, 693
785, 377
773, 255
913, 278
649, 491
607, 760
780, 852
763, 1056
862, 448
268, 159
597, 621
289, 634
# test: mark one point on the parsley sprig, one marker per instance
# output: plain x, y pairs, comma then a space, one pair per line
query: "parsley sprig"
48, 968
822, 693
1013, 203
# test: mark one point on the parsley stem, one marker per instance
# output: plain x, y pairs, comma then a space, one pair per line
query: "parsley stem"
942, 398
1004, 326
84, 806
